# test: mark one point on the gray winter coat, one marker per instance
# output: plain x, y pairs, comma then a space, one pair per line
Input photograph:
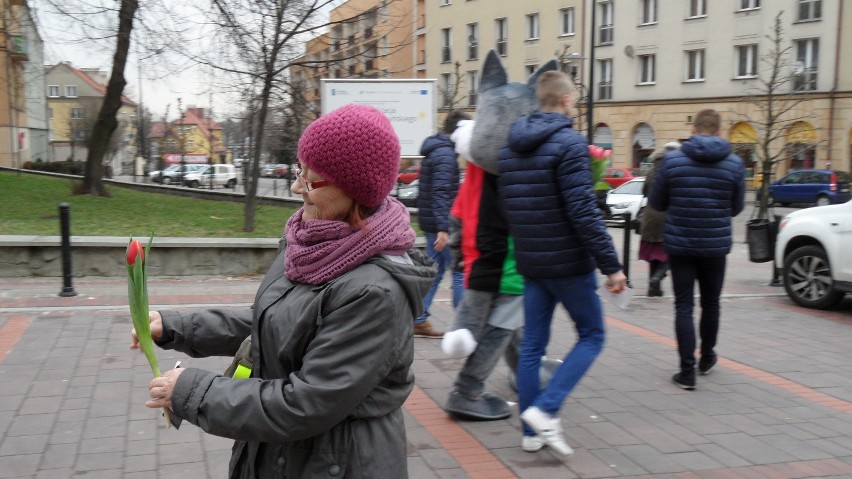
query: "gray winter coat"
331, 370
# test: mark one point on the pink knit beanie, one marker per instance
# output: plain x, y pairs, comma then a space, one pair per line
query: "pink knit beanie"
355, 148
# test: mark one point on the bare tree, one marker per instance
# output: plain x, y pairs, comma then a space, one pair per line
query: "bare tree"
776, 105
256, 42
452, 93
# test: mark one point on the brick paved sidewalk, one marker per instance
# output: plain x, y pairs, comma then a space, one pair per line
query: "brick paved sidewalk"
779, 404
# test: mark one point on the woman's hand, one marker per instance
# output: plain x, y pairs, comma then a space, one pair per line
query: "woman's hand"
161, 389
616, 282
156, 322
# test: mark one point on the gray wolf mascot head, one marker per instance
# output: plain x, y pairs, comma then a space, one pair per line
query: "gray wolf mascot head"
499, 104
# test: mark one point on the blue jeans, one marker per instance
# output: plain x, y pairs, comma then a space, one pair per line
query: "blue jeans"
710, 273
579, 297
444, 258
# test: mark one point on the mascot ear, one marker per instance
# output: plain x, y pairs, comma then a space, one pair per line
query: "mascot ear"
551, 65
493, 72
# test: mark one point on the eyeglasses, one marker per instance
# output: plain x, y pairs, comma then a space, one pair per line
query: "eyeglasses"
309, 185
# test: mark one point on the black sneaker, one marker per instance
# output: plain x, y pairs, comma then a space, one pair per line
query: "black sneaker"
685, 379
705, 364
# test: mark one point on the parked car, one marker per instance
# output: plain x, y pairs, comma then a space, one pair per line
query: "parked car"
627, 198
278, 170
407, 194
410, 174
812, 252
820, 187
172, 173
616, 177
219, 175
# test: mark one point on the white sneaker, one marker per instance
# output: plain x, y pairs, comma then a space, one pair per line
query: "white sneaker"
548, 428
532, 443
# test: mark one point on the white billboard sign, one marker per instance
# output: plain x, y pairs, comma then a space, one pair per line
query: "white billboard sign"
409, 104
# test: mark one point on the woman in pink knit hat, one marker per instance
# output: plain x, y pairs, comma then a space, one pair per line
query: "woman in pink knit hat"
320, 390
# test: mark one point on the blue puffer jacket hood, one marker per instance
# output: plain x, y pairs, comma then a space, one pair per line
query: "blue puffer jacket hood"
434, 142
707, 148
530, 132
438, 183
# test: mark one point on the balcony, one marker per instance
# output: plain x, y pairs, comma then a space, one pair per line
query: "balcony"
502, 47
473, 51
606, 34
806, 81
18, 48
605, 90
446, 54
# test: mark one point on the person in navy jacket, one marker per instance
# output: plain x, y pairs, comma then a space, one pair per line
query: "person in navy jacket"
438, 185
701, 187
560, 239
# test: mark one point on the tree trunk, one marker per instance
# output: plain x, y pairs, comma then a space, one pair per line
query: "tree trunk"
251, 185
107, 123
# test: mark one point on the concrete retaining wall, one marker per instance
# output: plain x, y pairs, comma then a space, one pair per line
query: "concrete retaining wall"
29, 256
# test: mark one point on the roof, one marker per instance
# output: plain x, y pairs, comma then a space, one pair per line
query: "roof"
101, 88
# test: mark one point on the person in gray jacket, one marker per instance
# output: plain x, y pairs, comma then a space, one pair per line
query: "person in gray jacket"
331, 326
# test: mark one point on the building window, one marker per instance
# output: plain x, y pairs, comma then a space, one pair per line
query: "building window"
606, 26
567, 16
71, 91
695, 65
190, 145
472, 82
501, 26
749, 4
647, 63
605, 85
446, 2
446, 45
649, 11
78, 113
810, 10
52, 91
447, 90
532, 26
697, 8
805, 68
472, 41
530, 69
746, 61
50, 113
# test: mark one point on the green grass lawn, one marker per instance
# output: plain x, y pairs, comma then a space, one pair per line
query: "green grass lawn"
29, 205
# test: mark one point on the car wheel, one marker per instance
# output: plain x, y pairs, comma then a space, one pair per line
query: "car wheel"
167, 180
194, 184
232, 183
823, 200
807, 278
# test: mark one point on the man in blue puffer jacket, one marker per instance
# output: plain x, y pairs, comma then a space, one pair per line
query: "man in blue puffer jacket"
560, 239
438, 185
701, 186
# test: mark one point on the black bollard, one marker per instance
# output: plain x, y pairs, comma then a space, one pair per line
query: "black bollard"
65, 229
628, 225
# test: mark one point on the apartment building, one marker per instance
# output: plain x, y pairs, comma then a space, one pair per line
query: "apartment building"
74, 98
367, 39
20, 50
657, 62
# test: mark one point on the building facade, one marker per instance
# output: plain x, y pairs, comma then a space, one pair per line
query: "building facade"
19, 45
74, 98
367, 39
655, 63
193, 138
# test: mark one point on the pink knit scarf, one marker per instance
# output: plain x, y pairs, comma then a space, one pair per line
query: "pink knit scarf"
321, 250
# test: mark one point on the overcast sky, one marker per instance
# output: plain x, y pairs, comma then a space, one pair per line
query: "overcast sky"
160, 86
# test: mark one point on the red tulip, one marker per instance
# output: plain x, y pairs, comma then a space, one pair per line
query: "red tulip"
135, 249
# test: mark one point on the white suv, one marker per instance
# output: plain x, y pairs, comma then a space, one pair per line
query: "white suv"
221, 175
812, 250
